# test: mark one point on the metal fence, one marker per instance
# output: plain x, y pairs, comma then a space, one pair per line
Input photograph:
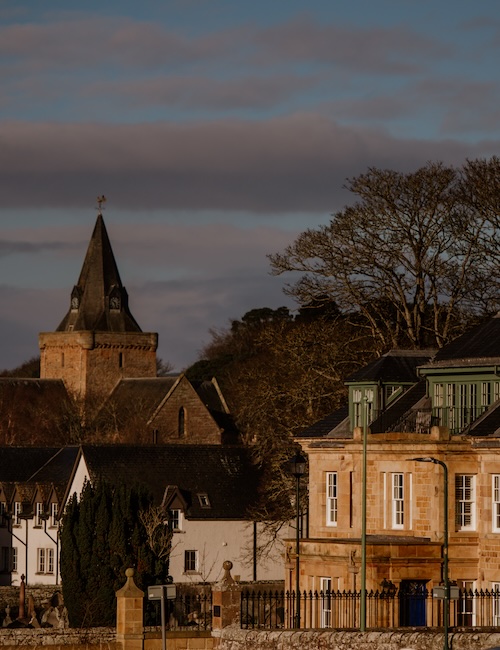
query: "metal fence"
384, 609
187, 611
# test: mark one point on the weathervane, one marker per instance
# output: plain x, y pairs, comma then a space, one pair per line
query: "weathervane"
100, 200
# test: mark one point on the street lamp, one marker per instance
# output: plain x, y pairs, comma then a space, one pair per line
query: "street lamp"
298, 469
446, 579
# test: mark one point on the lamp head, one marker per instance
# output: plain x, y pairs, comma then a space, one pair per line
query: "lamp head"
298, 465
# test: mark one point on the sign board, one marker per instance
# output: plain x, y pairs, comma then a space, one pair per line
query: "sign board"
156, 592
438, 592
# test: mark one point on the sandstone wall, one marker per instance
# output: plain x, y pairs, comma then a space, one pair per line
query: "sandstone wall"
233, 638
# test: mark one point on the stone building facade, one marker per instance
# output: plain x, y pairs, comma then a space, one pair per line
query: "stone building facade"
410, 413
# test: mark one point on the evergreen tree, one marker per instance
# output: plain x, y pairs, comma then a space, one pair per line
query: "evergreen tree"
101, 536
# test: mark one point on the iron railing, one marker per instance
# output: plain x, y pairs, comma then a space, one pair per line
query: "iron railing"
384, 609
456, 418
185, 612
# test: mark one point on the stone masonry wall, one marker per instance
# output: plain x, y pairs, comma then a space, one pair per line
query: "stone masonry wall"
97, 638
199, 424
233, 638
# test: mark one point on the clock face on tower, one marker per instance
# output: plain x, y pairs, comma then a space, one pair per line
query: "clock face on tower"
114, 302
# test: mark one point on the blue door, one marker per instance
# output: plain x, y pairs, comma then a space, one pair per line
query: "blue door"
412, 597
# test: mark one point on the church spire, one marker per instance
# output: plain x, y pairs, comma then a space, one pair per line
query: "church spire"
99, 301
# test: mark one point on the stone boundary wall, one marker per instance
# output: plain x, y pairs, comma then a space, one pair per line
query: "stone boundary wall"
192, 640
103, 638
234, 638
10, 595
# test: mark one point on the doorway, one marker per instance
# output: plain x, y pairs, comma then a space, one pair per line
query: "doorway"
412, 598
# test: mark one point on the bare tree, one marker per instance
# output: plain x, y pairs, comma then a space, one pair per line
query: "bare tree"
414, 257
158, 532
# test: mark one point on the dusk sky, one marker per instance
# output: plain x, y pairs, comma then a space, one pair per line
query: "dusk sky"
218, 130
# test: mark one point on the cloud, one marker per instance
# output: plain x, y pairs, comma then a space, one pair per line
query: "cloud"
24, 247
293, 163
182, 280
201, 93
390, 50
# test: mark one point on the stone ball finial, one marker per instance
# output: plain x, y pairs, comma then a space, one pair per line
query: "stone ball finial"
130, 572
227, 565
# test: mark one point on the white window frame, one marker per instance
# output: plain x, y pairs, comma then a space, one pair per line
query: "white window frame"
465, 501
465, 603
14, 559
17, 512
194, 557
38, 514
397, 500
357, 396
54, 511
49, 557
332, 498
495, 503
40, 560
325, 586
176, 520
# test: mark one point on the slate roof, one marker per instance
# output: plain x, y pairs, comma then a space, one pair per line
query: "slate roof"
21, 463
29, 468
478, 346
398, 366
487, 424
98, 279
139, 396
391, 416
225, 474
325, 426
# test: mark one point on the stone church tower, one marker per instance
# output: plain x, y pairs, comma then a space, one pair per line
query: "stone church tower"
98, 341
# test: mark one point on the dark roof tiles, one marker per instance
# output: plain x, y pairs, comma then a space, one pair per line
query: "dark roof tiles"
98, 284
480, 343
396, 366
225, 474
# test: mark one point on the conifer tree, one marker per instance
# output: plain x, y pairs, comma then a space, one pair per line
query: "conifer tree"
101, 536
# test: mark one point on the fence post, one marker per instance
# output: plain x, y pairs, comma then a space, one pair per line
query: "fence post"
226, 599
129, 614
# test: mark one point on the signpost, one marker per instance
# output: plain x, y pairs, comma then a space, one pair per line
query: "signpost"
162, 593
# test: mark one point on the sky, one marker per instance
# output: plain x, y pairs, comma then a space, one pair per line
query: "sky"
218, 130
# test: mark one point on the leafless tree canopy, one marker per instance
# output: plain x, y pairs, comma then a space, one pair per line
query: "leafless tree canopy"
414, 258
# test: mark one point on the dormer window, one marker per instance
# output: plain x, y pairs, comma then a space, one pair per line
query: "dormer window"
204, 500
39, 514
175, 520
362, 406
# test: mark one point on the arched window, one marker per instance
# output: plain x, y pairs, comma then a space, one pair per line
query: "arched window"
182, 422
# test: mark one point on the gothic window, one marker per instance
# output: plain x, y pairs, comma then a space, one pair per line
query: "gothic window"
182, 423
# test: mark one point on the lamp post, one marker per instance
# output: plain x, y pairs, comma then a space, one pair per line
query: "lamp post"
362, 604
446, 579
298, 469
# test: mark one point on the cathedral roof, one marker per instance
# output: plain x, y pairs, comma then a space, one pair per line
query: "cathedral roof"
99, 301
